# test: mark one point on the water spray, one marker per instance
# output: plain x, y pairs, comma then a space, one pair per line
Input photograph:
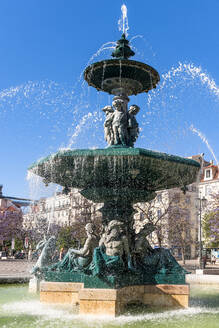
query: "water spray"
204, 139
123, 21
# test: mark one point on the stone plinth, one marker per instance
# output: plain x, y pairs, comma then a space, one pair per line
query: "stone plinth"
167, 296
113, 301
34, 285
60, 292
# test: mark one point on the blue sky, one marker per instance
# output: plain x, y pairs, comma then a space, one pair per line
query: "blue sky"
45, 45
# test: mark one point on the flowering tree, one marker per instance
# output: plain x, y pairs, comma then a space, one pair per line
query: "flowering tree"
210, 223
10, 223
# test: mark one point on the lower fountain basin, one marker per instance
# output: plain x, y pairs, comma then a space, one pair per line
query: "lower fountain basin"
132, 173
22, 309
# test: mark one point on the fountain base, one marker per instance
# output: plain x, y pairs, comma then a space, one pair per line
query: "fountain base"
112, 302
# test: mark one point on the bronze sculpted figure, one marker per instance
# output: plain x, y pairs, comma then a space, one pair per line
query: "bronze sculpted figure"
120, 126
119, 123
79, 259
133, 129
115, 240
46, 256
108, 130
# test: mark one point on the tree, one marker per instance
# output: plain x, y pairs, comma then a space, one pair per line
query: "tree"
10, 223
156, 212
179, 229
72, 232
171, 215
210, 223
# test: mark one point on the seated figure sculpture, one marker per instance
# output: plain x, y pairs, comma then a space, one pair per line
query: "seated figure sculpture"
158, 260
113, 254
76, 260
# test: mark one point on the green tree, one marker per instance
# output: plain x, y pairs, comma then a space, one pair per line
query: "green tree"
210, 227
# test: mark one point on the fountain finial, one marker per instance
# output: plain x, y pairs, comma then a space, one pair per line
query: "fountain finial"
122, 50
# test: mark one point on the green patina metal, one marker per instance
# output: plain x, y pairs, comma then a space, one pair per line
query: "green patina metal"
133, 76
116, 282
118, 72
123, 50
118, 151
132, 174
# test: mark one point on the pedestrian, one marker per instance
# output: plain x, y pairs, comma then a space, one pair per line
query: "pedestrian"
213, 259
61, 254
30, 255
204, 261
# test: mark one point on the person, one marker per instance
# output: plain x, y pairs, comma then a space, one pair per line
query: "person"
75, 259
61, 254
213, 259
108, 130
119, 123
133, 129
204, 261
55, 256
30, 254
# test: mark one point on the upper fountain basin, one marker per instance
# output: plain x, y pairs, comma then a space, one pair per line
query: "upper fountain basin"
121, 75
133, 173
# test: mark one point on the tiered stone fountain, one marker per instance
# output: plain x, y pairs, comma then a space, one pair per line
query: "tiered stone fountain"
123, 268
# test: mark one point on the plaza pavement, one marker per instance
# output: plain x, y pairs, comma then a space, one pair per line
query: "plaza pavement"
15, 270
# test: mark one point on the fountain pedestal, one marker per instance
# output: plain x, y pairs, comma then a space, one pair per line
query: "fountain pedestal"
112, 302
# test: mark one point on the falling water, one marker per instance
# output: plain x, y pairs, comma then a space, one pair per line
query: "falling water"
204, 139
106, 46
186, 96
37, 187
190, 70
123, 21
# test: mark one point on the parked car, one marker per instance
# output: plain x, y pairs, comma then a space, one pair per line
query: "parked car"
19, 255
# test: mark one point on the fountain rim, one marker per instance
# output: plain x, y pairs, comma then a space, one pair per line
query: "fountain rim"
116, 151
122, 62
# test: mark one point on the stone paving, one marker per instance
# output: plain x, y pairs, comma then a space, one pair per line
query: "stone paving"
15, 268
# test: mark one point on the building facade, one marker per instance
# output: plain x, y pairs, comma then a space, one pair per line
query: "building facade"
61, 209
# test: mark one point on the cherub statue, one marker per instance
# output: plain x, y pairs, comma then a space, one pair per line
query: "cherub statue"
108, 130
79, 259
133, 129
46, 256
119, 123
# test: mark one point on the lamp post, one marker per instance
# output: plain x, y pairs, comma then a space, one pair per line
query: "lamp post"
202, 204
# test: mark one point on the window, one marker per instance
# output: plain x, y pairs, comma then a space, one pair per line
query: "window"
159, 197
208, 174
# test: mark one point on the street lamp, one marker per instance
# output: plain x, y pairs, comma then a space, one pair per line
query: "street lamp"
202, 204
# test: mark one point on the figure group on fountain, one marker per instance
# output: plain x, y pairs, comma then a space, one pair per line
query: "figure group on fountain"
112, 254
120, 126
